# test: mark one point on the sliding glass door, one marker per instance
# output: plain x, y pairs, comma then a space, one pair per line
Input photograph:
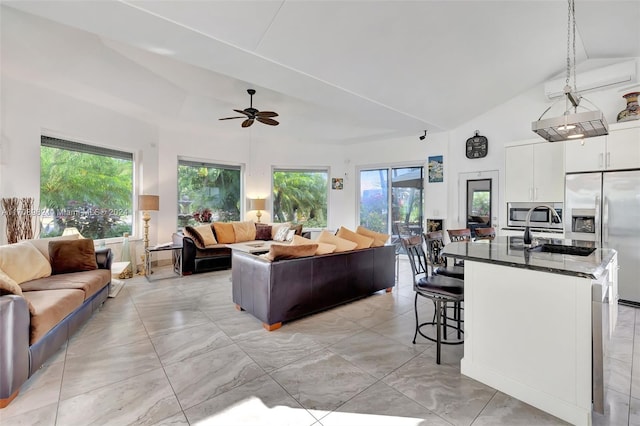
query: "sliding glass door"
392, 198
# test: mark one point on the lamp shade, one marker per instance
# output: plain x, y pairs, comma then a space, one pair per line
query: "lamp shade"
258, 204
72, 230
148, 202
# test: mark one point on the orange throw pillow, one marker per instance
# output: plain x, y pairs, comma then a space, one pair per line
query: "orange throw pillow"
224, 232
323, 248
379, 239
361, 240
340, 243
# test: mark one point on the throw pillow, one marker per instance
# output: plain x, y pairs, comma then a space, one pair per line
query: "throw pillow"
340, 243
42, 244
263, 232
224, 232
72, 256
23, 262
290, 234
297, 228
206, 233
281, 251
379, 239
244, 231
281, 235
362, 241
9, 286
275, 227
323, 248
190, 231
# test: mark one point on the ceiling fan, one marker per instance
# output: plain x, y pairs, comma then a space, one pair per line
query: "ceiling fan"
251, 114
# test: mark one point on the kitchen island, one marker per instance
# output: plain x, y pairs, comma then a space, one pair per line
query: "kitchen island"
530, 317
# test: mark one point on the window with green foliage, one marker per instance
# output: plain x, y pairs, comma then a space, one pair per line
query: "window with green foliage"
300, 196
207, 193
85, 187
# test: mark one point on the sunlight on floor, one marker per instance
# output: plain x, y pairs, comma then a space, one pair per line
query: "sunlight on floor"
251, 411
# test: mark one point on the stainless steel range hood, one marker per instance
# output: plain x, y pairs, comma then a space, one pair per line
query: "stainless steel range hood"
579, 125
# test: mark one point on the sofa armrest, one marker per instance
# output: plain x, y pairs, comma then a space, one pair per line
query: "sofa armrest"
189, 251
104, 258
14, 345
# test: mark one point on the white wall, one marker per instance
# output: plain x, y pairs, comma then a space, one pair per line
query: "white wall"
506, 123
29, 111
50, 101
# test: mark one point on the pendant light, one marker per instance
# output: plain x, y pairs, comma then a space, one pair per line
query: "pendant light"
572, 124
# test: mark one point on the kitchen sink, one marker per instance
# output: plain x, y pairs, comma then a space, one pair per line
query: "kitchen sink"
561, 249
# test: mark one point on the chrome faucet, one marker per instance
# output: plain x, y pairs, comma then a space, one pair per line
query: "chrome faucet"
527, 232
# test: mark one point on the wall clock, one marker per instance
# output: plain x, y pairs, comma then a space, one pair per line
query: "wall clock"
477, 146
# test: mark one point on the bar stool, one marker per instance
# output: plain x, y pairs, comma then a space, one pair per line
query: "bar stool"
463, 234
435, 243
442, 290
485, 233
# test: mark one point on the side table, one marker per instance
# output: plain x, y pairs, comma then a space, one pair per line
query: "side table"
176, 254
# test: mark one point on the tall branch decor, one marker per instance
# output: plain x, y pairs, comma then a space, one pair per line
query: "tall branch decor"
19, 216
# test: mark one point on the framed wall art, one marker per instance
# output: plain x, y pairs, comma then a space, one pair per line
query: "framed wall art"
436, 169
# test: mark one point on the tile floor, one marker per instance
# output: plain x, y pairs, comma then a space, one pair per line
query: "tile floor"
175, 351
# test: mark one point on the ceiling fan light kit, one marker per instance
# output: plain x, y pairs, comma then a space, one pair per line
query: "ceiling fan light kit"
571, 124
251, 114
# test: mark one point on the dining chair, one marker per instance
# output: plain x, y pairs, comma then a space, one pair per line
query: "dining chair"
442, 290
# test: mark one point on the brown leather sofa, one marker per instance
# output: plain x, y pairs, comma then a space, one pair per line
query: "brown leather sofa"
196, 259
205, 259
283, 290
26, 341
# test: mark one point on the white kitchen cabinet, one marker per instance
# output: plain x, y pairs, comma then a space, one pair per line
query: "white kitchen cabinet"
534, 172
619, 150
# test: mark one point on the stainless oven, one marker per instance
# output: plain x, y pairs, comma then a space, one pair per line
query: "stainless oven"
541, 217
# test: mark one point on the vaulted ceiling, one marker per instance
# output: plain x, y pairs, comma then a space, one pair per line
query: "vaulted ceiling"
342, 71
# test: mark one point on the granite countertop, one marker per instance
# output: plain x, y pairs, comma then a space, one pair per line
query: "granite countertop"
510, 251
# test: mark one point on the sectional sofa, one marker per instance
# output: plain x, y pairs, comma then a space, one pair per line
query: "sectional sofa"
204, 248
48, 289
287, 289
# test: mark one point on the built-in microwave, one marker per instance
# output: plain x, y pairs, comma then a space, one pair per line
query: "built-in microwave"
541, 217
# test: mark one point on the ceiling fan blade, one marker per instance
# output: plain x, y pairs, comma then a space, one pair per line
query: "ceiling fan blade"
239, 111
230, 118
266, 114
268, 121
248, 122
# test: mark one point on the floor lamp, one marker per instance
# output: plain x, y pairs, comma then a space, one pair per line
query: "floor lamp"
147, 203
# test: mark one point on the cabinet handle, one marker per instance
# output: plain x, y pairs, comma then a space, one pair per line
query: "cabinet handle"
608, 159
600, 160
535, 193
531, 193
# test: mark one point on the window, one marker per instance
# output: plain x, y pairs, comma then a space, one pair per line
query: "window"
391, 195
300, 196
207, 193
85, 187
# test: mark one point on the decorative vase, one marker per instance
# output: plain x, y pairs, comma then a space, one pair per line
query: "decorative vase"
632, 111
126, 249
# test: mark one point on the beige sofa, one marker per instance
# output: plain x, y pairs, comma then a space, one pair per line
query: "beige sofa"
48, 289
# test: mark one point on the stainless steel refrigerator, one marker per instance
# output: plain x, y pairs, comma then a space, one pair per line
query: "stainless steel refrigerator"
605, 207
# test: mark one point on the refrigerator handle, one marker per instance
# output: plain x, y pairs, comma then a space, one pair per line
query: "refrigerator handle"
598, 218
605, 220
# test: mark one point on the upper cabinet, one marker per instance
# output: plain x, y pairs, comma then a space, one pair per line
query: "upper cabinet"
534, 172
620, 149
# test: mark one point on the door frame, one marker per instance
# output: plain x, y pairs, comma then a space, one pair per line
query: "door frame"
495, 194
